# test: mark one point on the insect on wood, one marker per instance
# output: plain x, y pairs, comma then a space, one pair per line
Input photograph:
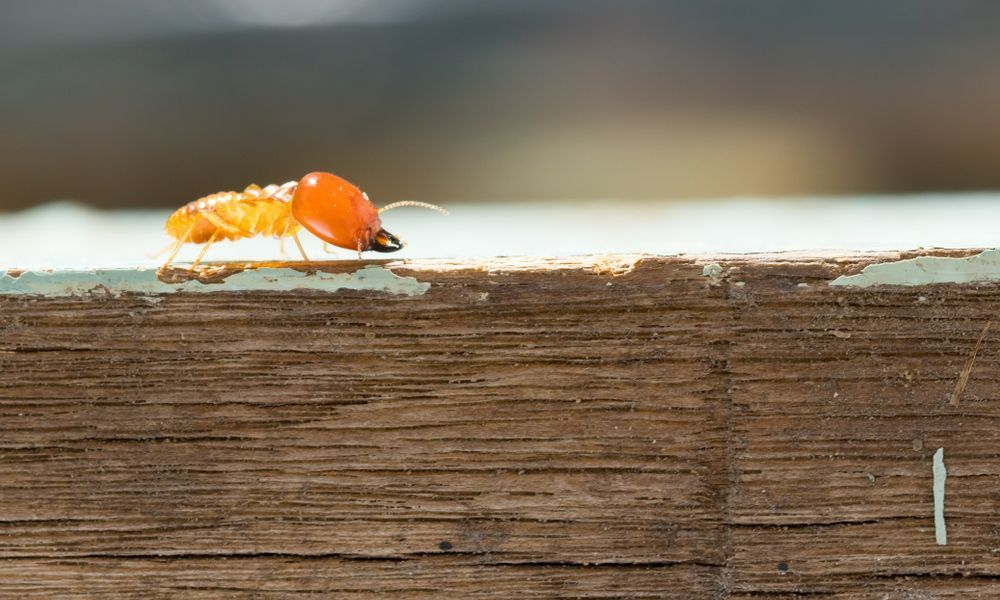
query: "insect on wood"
328, 206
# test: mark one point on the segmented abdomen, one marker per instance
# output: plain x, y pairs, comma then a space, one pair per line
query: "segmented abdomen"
233, 215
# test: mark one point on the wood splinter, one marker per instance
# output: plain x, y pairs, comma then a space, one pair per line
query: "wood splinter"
963, 378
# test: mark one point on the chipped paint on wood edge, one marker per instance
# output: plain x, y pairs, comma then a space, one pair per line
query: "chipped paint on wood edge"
612, 265
940, 475
927, 270
145, 282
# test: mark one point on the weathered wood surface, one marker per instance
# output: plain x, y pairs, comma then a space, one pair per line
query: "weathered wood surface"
520, 430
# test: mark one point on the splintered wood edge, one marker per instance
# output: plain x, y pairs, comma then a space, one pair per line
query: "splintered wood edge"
403, 277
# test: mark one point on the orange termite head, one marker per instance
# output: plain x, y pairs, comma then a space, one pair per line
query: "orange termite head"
338, 213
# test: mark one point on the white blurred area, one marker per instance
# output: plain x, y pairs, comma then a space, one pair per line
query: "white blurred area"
65, 234
299, 13
72, 21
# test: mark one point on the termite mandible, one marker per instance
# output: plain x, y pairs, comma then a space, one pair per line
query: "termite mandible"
328, 206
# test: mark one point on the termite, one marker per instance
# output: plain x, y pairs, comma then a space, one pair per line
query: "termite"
328, 206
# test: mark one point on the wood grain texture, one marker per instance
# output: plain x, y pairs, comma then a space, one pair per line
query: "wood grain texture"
521, 430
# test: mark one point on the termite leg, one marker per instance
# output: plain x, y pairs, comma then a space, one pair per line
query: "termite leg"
176, 249
223, 226
204, 249
281, 247
295, 236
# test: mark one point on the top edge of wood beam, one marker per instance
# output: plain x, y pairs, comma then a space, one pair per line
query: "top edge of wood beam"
414, 277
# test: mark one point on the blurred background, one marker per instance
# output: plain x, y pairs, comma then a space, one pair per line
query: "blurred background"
548, 127
127, 104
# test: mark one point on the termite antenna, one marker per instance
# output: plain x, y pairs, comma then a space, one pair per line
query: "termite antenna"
161, 251
413, 203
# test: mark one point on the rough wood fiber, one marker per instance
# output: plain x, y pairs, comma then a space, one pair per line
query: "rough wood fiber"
520, 430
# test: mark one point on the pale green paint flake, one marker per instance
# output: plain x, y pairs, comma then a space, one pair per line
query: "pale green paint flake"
926, 270
940, 475
713, 270
144, 282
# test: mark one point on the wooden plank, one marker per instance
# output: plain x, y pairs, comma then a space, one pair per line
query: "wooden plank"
565, 428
